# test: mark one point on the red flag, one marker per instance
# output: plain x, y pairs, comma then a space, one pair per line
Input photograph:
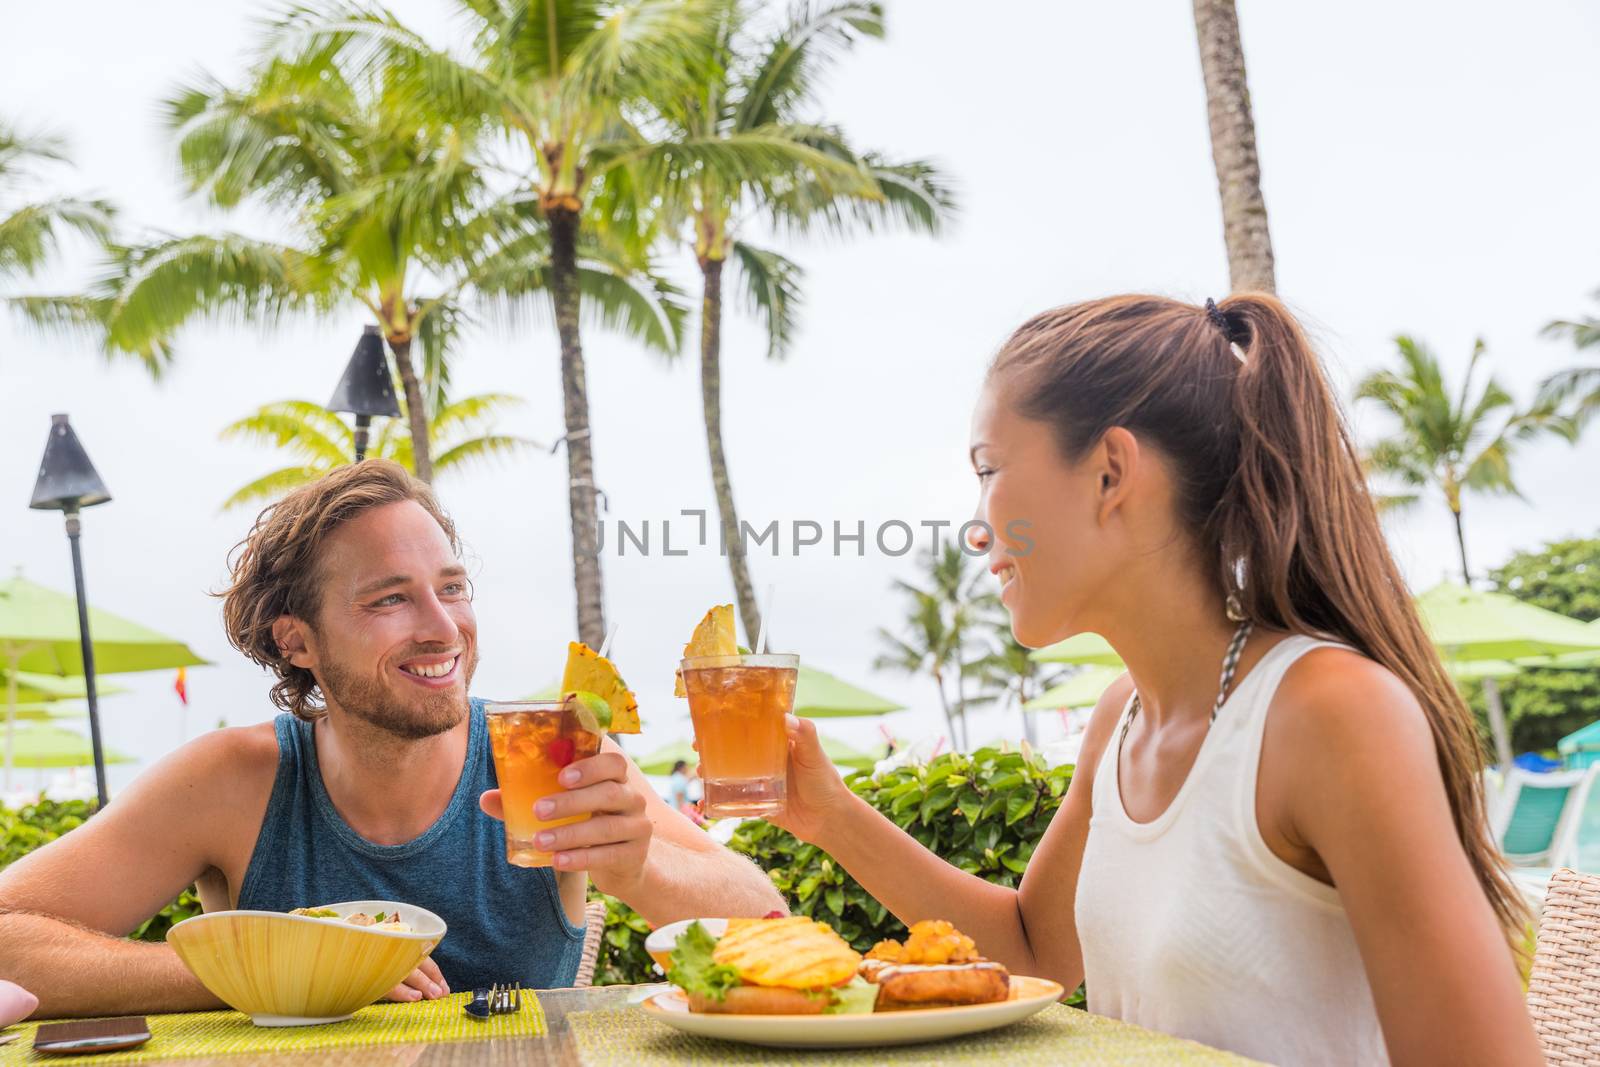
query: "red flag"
181, 686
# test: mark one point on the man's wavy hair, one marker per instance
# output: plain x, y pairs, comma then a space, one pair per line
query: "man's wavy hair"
276, 569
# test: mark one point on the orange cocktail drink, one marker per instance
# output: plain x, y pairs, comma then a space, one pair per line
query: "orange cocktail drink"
738, 704
532, 741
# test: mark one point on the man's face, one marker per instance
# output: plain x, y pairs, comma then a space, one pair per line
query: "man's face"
395, 640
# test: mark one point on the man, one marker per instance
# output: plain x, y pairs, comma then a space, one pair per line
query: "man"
377, 784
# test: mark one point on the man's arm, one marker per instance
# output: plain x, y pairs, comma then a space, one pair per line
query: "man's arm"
639, 850
66, 909
686, 875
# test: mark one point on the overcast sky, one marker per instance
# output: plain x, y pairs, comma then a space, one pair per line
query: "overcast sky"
1429, 169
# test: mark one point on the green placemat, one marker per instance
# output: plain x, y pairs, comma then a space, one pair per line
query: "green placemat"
221, 1033
1057, 1035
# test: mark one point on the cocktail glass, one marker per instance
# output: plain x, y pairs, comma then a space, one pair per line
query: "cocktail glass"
532, 741
738, 704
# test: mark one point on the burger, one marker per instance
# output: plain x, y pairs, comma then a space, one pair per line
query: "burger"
782, 966
937, 966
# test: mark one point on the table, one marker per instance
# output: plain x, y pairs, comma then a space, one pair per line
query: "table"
565, 1042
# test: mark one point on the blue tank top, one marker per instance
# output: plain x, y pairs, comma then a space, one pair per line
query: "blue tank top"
506, 923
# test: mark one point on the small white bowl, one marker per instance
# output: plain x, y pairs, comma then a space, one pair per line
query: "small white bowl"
295, 970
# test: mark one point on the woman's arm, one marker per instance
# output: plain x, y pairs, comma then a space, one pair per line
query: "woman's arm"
1030, 930
1350, 751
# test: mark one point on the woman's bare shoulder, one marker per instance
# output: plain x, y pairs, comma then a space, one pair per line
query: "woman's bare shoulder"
1336, 702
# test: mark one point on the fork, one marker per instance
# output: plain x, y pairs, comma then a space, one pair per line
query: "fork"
509, 1000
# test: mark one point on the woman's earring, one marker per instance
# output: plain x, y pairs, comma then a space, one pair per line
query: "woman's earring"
1234, 609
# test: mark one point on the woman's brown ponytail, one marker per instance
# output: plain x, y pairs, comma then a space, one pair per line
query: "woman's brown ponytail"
1269, 479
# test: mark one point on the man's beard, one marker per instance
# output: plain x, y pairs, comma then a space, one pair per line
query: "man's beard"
427, 714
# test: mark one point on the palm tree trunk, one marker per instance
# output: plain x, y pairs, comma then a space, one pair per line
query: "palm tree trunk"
1461, 543
711, 402
961, 702
1233, 147
944, 705
416, 410
581, 494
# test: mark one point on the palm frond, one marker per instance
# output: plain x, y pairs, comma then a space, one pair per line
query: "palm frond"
372, 45
763, 159
33, 232
273, 485
641, 48
636, 303
1395, 503
307, 431
73, 313
288, 137
785, 76
439, 325
771, 287
19, 151
147, 293
478, 451
470, 411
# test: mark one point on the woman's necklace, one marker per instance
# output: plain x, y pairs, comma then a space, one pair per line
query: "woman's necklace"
1230, 665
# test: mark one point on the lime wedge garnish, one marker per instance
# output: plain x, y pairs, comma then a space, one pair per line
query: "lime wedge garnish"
594, 714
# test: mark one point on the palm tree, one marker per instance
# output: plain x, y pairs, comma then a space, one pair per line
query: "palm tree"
944, 632
31, 229
752, 100
569, 81
460, 434
311, 146
1582, 382
1009, 676
1233, 147
1452, 443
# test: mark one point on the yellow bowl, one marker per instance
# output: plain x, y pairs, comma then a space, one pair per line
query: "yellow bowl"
293, 970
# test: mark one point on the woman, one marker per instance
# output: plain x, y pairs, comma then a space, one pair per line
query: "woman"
1293, 863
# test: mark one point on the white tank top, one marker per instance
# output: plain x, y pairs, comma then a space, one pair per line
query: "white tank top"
1191, 926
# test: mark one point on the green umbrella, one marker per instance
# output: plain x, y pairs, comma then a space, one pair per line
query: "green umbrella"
53, 709
819, 695
1084, 648
47, 745
844, 755
1082, 690
42, 688
1470, 625
1478, 670
661, 760
39, 634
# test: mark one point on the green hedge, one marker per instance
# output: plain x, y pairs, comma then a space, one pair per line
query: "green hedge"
984, 813
34, 825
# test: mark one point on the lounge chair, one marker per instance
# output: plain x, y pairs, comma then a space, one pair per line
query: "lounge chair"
1535, 821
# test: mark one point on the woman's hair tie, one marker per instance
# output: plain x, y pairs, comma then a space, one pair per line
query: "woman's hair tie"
1219, 319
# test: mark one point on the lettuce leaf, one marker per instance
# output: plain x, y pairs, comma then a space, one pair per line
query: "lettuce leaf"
854, 998
693, 969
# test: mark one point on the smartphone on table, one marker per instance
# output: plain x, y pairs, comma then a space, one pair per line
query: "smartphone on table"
91, 1035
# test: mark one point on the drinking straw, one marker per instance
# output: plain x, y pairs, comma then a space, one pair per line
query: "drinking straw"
766, 617
605, 646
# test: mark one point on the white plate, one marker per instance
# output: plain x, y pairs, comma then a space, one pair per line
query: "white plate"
661, 942
1028, 996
